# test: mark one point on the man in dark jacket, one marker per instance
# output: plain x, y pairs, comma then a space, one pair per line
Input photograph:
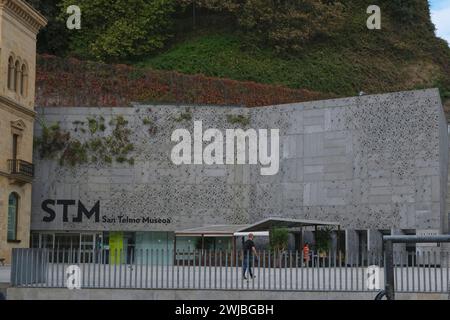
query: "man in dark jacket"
249, 252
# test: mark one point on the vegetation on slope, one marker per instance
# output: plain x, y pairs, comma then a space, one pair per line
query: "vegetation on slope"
321, 46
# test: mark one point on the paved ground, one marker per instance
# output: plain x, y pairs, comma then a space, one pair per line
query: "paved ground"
417, 279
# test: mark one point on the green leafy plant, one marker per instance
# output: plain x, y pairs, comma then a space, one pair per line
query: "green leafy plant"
52, 141
184, 116
279, 238
147, 121
323, 239
98, 148
115, 30
74, 153
238, 119
93, 125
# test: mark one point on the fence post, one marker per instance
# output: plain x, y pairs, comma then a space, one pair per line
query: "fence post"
389, 271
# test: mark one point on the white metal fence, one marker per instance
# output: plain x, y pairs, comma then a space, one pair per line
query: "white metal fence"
224, 270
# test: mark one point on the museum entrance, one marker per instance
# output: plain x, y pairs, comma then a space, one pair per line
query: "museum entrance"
69, 247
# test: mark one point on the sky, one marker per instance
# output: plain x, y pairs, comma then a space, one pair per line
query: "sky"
440, 14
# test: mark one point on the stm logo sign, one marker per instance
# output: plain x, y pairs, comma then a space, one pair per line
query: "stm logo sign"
50, 207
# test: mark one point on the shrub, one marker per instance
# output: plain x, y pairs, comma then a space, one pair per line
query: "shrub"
114, 30
279, 238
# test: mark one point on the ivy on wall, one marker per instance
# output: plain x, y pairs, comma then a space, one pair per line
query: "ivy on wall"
184, 116
238, 119
97, 146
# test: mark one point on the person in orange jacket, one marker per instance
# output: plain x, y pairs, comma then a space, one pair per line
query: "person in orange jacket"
306, 253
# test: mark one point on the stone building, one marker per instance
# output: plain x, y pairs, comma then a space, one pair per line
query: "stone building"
376, 164
19, 25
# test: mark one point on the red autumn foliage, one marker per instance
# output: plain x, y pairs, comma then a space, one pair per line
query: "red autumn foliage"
74, 83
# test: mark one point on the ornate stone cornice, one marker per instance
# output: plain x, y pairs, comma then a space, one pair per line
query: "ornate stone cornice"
4, 101
25, 13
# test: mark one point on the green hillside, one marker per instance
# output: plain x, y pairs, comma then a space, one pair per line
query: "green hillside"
322, 46
369, 61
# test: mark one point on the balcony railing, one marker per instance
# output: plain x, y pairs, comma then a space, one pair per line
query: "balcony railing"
21, 168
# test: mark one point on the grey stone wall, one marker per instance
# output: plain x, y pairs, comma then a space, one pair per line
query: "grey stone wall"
370, 162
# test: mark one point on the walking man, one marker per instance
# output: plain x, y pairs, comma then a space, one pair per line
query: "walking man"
249, 252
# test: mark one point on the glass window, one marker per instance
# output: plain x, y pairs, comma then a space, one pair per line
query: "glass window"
13, 207
17, 76
24, 81
11, 73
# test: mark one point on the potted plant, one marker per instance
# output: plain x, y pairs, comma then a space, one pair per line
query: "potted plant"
323, 241
279, 238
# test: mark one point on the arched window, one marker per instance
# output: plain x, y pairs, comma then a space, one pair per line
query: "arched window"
11, 73
24, 81
17, 76
13, 213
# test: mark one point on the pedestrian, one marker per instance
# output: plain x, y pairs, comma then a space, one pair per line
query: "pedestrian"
306, 253
249, 253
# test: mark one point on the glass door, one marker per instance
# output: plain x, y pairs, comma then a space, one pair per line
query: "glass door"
67, 246
87, 246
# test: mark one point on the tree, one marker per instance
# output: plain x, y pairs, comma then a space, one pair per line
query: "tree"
279, 238
286, 25
114, 30
54, 38
323, 240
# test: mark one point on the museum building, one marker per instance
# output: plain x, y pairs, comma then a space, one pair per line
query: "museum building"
372, 165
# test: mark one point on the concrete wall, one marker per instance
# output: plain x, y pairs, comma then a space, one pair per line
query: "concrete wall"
123, 294
370, 162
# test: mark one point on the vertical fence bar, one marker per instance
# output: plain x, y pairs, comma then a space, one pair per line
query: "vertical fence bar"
93, 268
414, 267
447, 267
134, 258
313, 282
178, 268
334, 271
221, 267
141, 268
435, 272
125, 269
31, 268
323, 273
407, 270
302, 261
200, 269
104, 267
209, 269
204, 268
157, 269
269, 270
120, 267
329, 269
419, 282
152, 265
99, 267
146, 268
280, 269
215, 269
52, 266
429, 269
236, 270
403, 272
296, 270
195, 269
115, 267
226, 269
424, 271
175, 266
